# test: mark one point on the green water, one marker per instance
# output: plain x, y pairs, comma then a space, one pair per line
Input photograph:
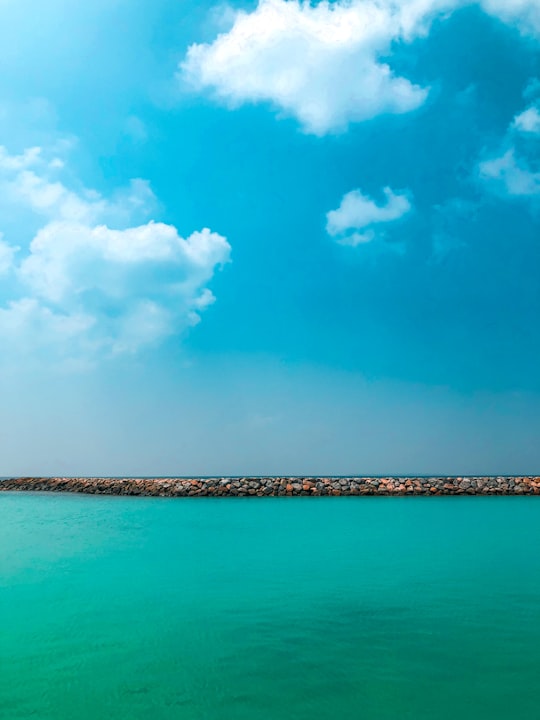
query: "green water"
259, 609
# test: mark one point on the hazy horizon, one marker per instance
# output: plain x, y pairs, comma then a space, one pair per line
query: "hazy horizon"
270, 238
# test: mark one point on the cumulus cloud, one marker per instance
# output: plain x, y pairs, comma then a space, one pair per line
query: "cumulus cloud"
525, 14
358, 218
528, 121
7, 253
513, 171
28, 181
322, 62
319, 63
28, 324
510, 175
88, 278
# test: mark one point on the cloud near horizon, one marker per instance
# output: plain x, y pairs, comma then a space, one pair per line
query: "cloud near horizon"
89, 282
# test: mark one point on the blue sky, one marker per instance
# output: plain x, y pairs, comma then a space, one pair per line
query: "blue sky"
270, 237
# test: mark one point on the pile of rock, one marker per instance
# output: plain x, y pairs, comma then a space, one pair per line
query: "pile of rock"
279, 486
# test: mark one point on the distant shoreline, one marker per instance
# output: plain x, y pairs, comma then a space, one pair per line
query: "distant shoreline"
279, 486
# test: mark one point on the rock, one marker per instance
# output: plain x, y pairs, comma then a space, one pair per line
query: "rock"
222, 487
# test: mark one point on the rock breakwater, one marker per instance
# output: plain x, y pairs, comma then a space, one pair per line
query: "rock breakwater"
279, 486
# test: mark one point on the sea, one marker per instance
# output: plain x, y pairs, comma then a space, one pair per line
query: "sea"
350, 608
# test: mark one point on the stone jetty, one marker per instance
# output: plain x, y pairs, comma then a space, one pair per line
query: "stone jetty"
278, 486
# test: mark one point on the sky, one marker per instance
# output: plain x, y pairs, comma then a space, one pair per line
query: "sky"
272, 237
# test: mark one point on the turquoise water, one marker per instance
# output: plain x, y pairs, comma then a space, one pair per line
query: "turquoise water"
259, 609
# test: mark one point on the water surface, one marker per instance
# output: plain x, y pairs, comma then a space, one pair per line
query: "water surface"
269, 608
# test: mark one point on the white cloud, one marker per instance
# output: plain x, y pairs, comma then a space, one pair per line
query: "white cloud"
7, 253
528, 121
358, 217
36, 325
19, 162
322, 62
513, 170
525, 14
510, 175
89, 279
30, 181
